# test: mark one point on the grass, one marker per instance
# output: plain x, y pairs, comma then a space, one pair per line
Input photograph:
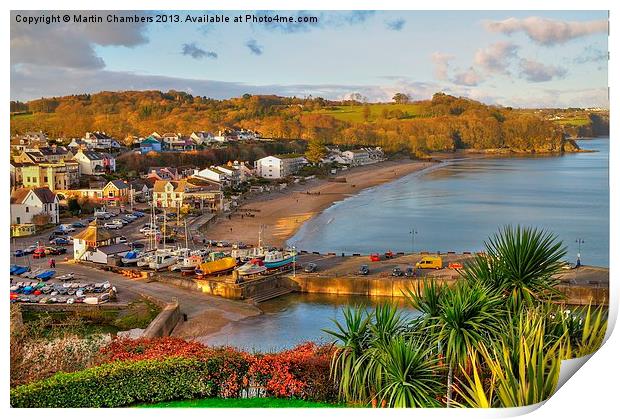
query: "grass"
355, 113
242, 403
577, 121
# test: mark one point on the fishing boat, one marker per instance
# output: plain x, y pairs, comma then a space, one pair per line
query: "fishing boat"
217, 262
18, 270
277, 259
188, 264
162, 259
131, 257
252, 267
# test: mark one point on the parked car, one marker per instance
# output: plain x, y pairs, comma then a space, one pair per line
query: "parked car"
38, 253
60, 241
130, 217
78, 224
148, 228
57, 233
389, 254
120, 221
397, 271
223, 243
30, 249
410, 271
56, 250
375, 257
430, 262
310, 267
18, 253
112, 226
122, 239
67, 228
364, 270
136, 245
139, 214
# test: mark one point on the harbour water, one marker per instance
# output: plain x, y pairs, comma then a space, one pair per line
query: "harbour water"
456, 206
293, 319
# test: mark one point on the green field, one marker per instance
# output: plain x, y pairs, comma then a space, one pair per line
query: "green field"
243, 403
577, 121
355, 113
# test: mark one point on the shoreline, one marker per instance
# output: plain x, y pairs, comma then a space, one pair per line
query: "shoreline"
283, 213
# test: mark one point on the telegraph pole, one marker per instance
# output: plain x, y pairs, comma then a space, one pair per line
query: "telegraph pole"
579, 242
413, 232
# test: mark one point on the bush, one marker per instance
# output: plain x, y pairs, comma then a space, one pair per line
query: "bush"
123, 383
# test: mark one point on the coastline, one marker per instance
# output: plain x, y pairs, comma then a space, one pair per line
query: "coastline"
282, 213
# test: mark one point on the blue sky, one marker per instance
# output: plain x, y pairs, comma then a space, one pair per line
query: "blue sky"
509, 58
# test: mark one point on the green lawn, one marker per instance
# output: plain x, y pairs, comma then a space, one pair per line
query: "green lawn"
573, 121
242, 403
355, 113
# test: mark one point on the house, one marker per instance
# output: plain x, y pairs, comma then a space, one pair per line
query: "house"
233, 174
214, 174
358, 157
30, 157
140, 190
163, 173
100, 141
55, 154
37, 206
109, 162
29, 141
246, 171
177, 142
149, 144
60, 175
115, 192
279, 166
168, 193
91, 162
201, 137
96, 244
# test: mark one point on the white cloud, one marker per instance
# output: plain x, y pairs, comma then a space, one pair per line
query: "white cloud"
71, 45
547, 31
535, 71
469, 77
441, 62
496, 57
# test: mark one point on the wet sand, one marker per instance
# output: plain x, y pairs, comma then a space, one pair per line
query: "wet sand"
282, 213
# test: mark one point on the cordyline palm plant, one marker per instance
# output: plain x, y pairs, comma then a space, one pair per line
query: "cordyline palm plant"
520, 369
592, 333
467, 316
521, 263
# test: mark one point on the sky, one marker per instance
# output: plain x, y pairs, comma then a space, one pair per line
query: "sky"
519, 58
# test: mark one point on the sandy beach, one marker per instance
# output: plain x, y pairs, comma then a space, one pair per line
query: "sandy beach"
282, 213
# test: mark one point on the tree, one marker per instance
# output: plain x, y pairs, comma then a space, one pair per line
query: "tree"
400, 98
316, 150
366, 112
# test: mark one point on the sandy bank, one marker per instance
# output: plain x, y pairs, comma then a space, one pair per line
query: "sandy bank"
282, 213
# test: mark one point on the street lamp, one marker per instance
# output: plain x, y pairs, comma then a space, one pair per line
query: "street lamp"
413, 232
579, 242
294, 260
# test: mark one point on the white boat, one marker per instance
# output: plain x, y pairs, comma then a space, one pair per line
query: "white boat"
162, 259
131, 258
91, 300
253, 267
188, 264
66, 277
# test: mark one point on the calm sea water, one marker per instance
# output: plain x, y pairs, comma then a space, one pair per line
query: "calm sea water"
295, 318
457, 206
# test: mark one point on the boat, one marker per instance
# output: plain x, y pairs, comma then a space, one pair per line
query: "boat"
18, 270
66, 277
188, 264
33, 274
162, 259
44, 276
131, 257
217, 262
278, 259
253, 267
91, 300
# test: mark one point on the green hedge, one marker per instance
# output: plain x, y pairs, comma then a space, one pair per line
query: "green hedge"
123, 383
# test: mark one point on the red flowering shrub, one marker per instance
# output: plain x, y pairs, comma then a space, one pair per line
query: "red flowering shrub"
301, 372
140, 349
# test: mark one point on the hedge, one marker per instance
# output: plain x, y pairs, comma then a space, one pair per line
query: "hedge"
123, 383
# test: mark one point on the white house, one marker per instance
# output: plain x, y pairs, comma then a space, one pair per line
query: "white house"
246, 171
201, 137
95, 244
214, 174
100, 141
279, 166
91, 162
358, 157
27, 204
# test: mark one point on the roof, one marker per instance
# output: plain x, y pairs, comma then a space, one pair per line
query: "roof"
160, 185
92, 155
150, 140
119, 184
44, 194
94, 233
288, 156
53, 151
114, 249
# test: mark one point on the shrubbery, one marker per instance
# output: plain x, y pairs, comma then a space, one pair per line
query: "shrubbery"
153, 370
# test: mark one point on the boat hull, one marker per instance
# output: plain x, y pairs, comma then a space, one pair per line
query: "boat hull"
279, 263
216, 266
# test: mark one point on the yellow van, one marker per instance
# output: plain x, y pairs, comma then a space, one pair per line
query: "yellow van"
430, 262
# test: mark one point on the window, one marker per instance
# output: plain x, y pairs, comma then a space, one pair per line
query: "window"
27, 209
28, 179
45, 179
19, 221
